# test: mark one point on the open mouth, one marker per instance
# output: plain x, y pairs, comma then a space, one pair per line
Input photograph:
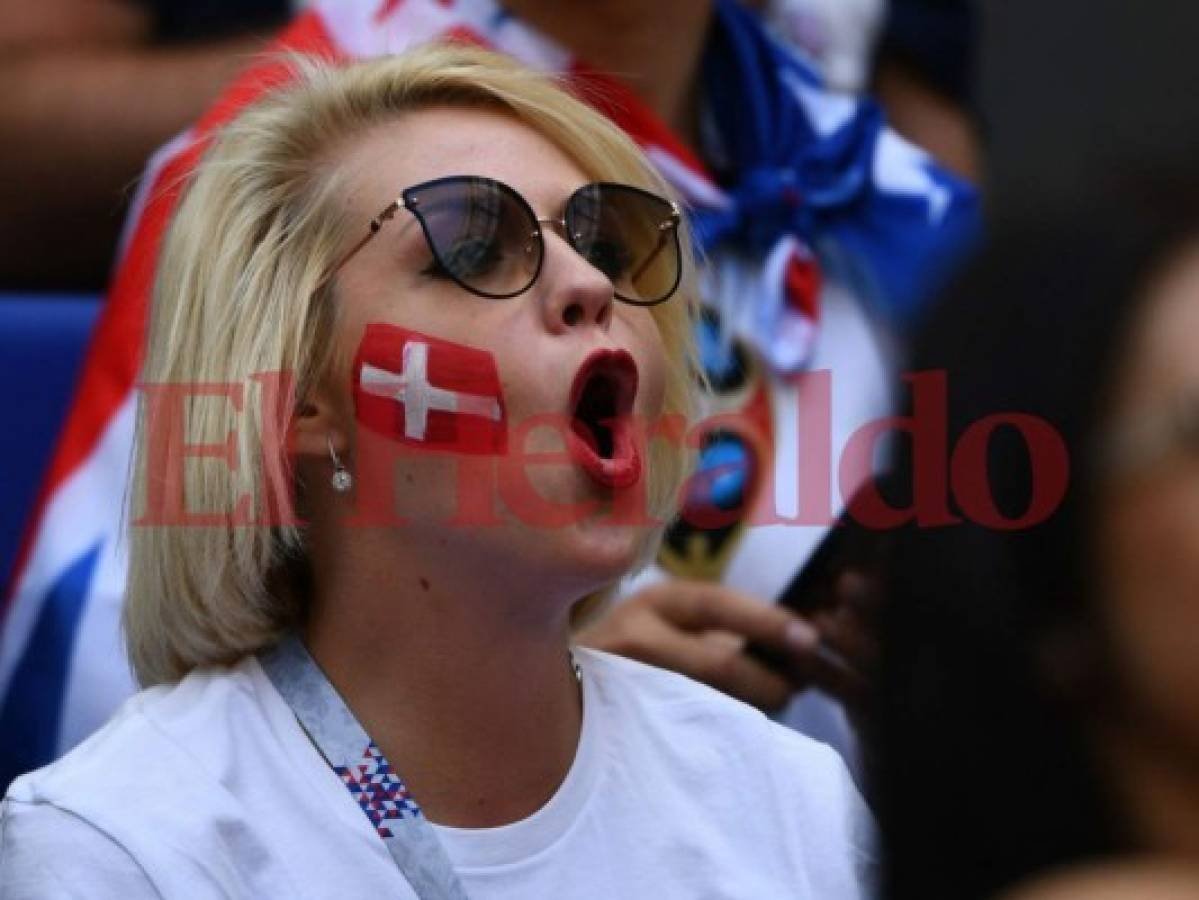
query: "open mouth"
601, 432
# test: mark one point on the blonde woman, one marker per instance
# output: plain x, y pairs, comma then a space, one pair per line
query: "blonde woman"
419, 347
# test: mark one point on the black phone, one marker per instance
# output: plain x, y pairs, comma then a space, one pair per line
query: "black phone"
808, 591
846, 545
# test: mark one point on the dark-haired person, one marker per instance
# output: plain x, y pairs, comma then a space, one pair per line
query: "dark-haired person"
1039, 705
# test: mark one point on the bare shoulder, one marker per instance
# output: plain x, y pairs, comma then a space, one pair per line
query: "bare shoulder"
1117, 881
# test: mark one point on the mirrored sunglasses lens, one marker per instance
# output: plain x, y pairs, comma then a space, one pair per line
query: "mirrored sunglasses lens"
630, 236
481, 234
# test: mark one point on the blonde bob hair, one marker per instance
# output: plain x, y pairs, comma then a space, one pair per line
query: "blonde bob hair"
242, 289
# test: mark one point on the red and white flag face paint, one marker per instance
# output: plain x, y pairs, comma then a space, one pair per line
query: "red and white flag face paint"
428, 392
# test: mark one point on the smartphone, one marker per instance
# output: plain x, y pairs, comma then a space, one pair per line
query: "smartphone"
846, 545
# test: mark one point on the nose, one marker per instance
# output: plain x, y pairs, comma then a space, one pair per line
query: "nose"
574, 292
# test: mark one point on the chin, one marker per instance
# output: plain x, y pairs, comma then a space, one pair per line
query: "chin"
615, 549
573, 523
590, 555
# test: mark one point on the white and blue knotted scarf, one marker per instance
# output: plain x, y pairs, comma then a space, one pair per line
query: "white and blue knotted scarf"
812, 175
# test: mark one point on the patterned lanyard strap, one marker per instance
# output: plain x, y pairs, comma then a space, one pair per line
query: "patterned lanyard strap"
350, 752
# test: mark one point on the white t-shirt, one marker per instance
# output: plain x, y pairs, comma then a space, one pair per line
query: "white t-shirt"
210, 788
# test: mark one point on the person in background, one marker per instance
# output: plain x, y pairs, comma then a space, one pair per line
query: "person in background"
94, 86
1038, 717
699, 620
917, 57
91, 88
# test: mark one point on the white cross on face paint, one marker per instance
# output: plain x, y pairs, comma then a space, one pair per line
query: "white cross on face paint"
411, 388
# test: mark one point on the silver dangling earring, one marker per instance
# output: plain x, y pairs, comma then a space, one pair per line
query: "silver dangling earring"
342, 480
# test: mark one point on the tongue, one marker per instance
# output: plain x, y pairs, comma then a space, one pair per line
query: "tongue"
579, 427
613, 470
594, 414
600, 436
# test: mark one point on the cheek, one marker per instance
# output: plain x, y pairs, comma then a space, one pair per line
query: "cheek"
645, 343
1151, 540
1150, 548
429, 393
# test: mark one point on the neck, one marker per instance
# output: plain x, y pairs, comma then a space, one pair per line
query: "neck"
655, 48
457, 679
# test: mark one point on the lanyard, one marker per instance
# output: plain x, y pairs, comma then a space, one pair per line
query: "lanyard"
362, 768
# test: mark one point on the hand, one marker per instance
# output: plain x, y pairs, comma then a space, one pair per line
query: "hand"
846, 617
700, 629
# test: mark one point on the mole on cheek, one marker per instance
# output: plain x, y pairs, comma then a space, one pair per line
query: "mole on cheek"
424, 583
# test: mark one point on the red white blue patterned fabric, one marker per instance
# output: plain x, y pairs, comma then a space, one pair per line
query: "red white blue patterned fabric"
376, 788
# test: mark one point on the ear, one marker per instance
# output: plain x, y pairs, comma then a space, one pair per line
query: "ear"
318, 422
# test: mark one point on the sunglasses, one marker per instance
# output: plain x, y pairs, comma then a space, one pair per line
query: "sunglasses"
486, 237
